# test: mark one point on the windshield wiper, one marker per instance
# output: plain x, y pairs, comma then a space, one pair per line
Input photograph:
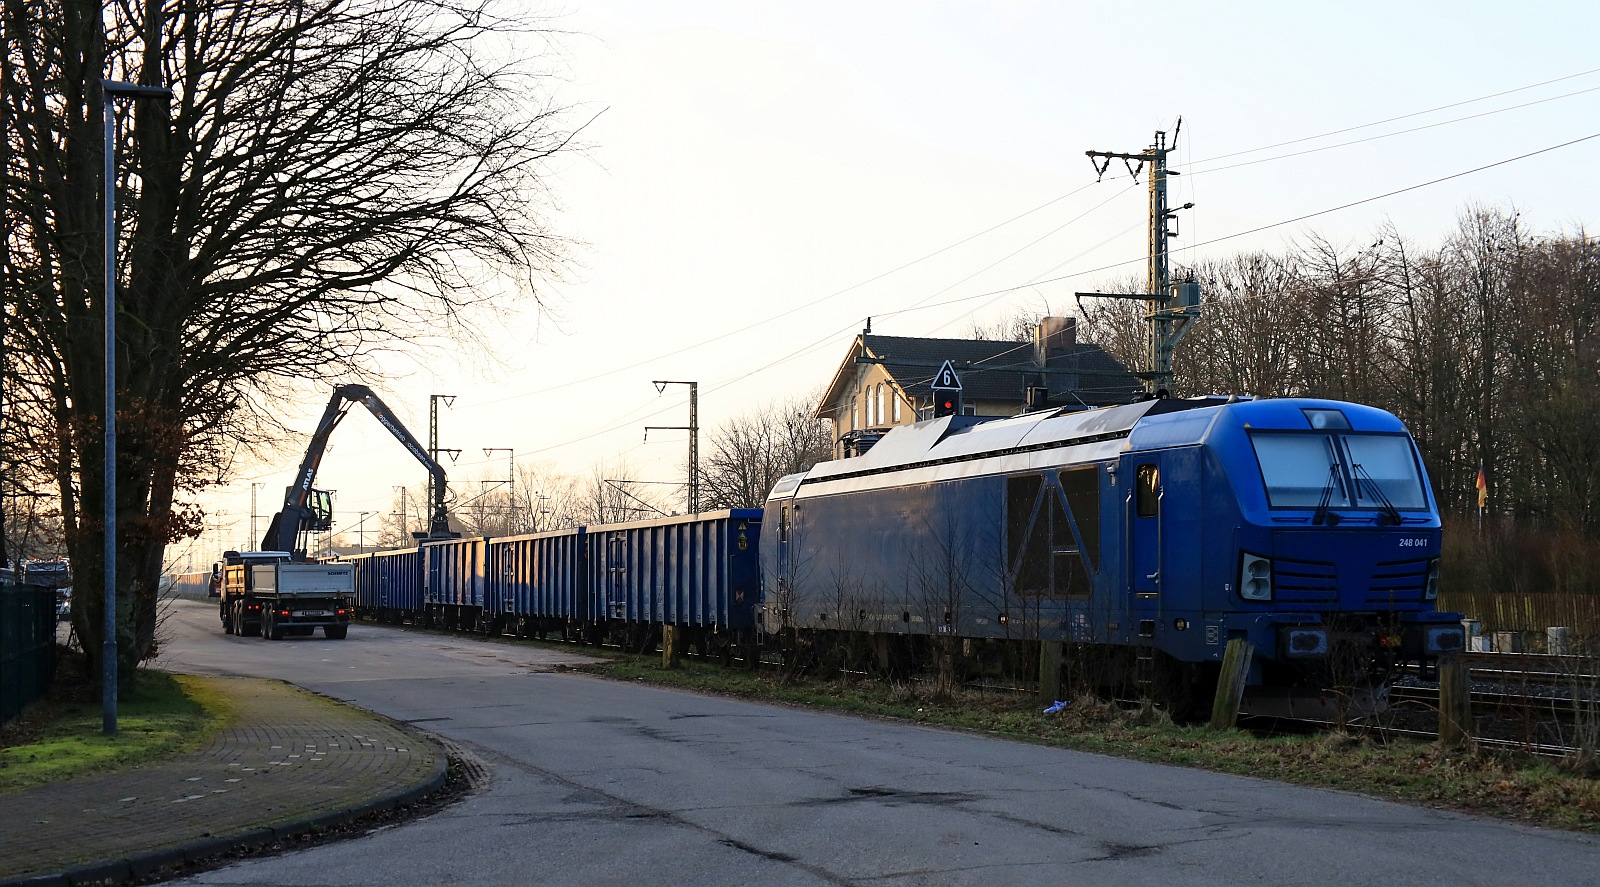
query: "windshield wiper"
1389, 511
1323, 515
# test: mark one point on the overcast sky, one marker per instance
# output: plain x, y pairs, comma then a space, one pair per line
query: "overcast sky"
762, 177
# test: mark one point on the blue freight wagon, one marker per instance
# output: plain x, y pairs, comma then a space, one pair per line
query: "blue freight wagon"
699, 572
452, 590
536, 585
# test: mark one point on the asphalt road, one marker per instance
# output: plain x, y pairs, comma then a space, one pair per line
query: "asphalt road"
600, 783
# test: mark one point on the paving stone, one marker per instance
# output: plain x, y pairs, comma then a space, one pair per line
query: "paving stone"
254, 774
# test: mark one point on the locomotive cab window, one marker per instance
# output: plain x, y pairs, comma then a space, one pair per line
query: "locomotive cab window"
1350, 470
1147, 490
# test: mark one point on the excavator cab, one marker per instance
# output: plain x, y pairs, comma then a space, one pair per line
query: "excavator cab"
320, 520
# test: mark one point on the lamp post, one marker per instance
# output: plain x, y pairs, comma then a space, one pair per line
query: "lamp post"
110, 91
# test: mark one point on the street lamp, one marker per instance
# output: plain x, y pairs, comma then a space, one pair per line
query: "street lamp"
110, 90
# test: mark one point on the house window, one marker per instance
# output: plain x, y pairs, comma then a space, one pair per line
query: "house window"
968, 409
880, 404
853, 414
870, 415
896, 409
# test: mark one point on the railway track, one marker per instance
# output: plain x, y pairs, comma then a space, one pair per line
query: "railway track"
1531, 702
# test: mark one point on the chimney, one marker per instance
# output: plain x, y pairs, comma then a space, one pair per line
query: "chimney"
1053, 337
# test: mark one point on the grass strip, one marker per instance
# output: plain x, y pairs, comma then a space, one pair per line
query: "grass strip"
61, 738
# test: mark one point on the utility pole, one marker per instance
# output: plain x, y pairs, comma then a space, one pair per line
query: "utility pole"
433, 441
255, 537
405, 516
1169, 309
361, 533
511, 484
694, 437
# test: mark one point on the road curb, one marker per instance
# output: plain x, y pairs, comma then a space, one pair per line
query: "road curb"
143, 865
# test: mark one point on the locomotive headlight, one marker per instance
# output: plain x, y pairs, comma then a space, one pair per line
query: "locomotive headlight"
1255, 578
1431, 590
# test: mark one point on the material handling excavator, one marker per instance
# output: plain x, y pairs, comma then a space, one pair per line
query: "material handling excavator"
307, 510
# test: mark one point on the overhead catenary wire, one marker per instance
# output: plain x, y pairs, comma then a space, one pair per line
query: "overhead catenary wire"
1057, 199
1269, 226
993, 294
1399, 117
1189, 171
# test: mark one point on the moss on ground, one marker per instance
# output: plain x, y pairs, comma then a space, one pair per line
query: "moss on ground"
62, 737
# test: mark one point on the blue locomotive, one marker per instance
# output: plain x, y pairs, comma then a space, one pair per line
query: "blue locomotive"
1146, 535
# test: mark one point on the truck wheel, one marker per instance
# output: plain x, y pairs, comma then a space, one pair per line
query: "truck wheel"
227, 622
335, 632
277, 630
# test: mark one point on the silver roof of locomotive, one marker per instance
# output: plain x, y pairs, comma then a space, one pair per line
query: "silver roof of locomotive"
951, 447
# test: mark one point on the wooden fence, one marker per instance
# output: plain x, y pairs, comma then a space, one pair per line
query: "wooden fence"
1533, 612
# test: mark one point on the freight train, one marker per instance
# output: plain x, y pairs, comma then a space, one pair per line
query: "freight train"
1144, 537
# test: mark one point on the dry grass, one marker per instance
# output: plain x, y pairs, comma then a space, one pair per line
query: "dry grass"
1511, 786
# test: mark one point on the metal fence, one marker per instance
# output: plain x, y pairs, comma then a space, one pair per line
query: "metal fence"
27, 645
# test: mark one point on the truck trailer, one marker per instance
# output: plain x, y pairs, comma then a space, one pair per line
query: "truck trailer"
264, 593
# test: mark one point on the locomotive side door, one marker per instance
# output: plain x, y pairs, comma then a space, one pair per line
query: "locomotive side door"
782, 577
1164, 518
1144, 535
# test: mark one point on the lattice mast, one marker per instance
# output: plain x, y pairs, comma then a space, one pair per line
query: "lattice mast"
1170, 308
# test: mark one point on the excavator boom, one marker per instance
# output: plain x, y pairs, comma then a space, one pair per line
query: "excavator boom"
305, 508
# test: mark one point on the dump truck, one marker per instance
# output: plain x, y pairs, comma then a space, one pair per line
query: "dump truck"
265, 593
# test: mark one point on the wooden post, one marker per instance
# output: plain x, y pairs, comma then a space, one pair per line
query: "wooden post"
1455, 703
669, 646
1049, 672
1230, 684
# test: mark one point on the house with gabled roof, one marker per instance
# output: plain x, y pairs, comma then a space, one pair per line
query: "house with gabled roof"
884, 380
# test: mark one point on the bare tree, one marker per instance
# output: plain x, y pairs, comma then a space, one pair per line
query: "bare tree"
1242, 343
749, 453
614, 495
329, 175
